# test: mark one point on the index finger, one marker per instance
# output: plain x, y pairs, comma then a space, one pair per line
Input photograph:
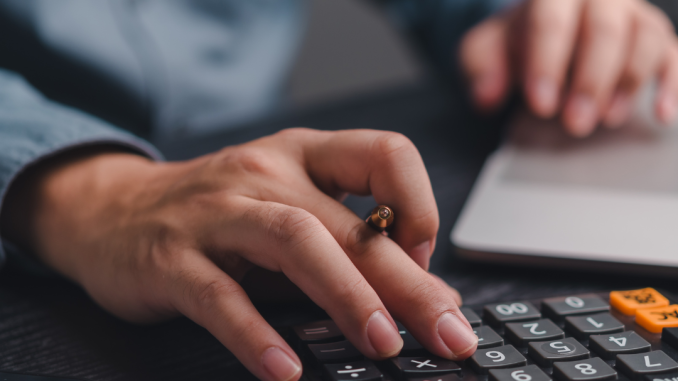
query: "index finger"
550, 34
386, 165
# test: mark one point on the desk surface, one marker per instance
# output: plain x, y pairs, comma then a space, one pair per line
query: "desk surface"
49, 326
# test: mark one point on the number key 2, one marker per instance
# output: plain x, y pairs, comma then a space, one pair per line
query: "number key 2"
524, 332
584, 370
498, 314
495, 358
525, 373
558, 308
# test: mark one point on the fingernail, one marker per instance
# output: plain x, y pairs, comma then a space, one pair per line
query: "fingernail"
383, 335
668, 107
422, 253
280, 365
620, 108
582, 115
545, 96
458, 337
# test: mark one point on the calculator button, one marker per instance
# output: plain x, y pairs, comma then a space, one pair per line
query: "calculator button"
501, 313
340, 351
670, 336
662, 377
410, 344
487, 338
558, 308
356, 370
525, 373
522, 333
318, 332
583, 326
654, 319
494, 358
609, 346
424, 365
591, 369
568, 349
642, 364
627, 302
439, 377
471, 316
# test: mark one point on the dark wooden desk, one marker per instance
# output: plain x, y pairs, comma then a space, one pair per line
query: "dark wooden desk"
50, 326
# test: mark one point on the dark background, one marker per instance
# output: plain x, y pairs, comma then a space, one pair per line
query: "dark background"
49, 326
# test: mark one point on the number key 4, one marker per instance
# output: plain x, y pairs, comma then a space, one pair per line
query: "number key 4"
609, 346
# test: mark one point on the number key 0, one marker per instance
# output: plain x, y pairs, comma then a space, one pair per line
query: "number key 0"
525, 373
496, 358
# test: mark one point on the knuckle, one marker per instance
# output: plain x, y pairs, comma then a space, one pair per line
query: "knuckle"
248, 160
352, 289
607, 28
549, 22
292, 226
425, 291
207, 294
391, 144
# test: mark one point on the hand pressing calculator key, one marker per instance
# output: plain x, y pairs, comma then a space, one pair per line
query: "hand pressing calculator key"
624, 335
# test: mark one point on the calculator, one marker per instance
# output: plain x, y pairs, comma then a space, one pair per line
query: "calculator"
627, 335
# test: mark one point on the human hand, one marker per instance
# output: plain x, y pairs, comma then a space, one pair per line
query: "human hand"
152, 240
584, 58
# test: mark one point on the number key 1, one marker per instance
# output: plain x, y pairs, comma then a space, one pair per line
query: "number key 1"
525, 373
588, 370
496, 358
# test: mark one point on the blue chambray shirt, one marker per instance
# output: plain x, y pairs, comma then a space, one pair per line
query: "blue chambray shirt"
198, 65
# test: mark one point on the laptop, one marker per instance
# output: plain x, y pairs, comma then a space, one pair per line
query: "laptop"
608, 202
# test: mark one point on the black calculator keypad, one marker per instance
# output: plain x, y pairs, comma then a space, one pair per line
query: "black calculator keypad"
424, 365
520, 334
641, 364
318, 332
584, 370
487, 337
582, 327
410, 345
559, 308
340, 351
524, 373
546, 353
494, 358
352, 371
471, 316
500, 313
609, 346
578, 338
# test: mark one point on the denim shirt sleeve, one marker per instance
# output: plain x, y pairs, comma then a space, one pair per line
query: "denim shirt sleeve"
32, 129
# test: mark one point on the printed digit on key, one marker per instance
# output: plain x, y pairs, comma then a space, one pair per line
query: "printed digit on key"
586, 368
496, 355
574, 302
520, 375
518, 308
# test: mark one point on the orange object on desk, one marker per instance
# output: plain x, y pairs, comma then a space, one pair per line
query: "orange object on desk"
628, 302
655, 319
